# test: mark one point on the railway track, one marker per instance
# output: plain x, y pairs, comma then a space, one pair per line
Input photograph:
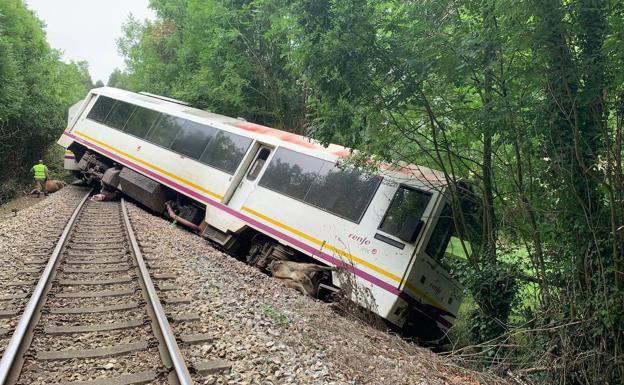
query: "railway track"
94, 316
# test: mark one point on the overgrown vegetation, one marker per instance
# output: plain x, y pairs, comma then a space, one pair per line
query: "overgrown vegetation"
522, 98
36, 89
277, 317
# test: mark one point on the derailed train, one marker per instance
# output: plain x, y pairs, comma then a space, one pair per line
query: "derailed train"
280, 199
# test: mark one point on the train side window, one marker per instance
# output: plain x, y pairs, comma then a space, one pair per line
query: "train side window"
291, 173
404, 216
320, 183
141, 121
345, 193
165, 130
261, 159
101, 108
192, 139
225, 151
441, 235
119, 115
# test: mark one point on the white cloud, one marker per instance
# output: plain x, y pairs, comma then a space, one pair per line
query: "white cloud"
87, 29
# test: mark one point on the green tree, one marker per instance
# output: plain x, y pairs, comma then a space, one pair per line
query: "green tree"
523, 99
117, 79
231, 57
37, 88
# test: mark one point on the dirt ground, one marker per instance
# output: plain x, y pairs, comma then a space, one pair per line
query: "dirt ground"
11, 208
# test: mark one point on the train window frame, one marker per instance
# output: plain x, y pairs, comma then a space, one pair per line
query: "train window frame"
119, 104
125, 129
95, 103
238, 163
439, 254
338, 207
185, 129
309, 165
365, 207
256, 167
157, 126
419, 227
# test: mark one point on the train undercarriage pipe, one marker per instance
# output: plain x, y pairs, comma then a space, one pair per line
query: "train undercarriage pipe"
179, 219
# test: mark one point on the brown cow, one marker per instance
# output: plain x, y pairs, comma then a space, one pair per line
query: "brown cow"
53, 185
303, 277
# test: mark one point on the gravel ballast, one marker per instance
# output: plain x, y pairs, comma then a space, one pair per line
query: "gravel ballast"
29, 236
270, 334
250, 328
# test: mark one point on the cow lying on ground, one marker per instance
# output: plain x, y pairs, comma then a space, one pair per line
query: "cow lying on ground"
303, 277
51, 186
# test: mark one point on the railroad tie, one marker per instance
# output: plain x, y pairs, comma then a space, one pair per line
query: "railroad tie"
94, 255
184, 317
71, 282
211, 367
94, 328
126, 379
176, 300
154, 264
97, 261
95, 248
95, 294
9, 313
103, 352
165, 287
10, 297
94, 309
191, 339
29, 282
96, 271
163, 276
91, 241
35, 261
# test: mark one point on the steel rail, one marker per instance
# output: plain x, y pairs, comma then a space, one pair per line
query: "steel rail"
181, 370
8, 358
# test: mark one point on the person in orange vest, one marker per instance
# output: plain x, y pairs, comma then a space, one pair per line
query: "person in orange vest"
40, 174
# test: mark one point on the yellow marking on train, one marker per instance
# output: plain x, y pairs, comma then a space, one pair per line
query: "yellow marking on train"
169, 174
347, 255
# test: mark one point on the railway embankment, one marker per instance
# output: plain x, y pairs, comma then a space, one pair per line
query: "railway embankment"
271, 334
255, 330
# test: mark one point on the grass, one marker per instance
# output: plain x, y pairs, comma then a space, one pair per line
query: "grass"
527, 296
277, 317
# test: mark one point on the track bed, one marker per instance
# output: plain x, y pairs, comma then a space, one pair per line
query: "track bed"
94, 316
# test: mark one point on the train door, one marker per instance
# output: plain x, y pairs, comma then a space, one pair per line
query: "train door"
249, 181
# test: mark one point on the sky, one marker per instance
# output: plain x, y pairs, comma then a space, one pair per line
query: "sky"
87, 29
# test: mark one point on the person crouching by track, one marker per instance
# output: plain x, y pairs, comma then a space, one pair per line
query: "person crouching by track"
40, 175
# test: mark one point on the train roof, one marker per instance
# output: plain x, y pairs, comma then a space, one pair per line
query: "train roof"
402, 172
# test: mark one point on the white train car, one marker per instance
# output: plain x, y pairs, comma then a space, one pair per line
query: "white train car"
277, 196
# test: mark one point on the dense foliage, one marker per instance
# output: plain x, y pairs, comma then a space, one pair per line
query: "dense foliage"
36, 89
523, 98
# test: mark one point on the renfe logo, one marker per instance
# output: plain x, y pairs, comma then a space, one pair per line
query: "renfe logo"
363, 241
